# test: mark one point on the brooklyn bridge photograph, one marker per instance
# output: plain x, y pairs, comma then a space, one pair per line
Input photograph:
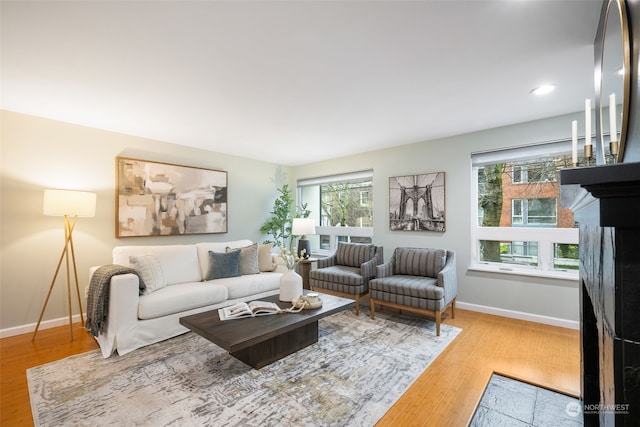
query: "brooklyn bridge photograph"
416, 202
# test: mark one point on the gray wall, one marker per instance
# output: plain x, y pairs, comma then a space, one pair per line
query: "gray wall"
544, 297
38, 153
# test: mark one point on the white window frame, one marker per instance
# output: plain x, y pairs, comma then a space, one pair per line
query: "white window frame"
335, 232
545, 236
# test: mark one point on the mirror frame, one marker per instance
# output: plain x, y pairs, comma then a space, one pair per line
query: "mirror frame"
619, 7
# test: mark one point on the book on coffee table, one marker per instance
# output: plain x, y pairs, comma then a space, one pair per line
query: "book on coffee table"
251, 309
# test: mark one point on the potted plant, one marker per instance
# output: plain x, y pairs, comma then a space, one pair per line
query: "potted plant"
279, 225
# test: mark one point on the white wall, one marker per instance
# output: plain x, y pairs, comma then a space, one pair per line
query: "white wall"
38, 153
540, 297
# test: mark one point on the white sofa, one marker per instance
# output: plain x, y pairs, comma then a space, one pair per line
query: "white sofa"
137, 320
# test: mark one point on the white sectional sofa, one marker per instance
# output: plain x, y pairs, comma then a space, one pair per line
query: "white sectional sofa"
134, 320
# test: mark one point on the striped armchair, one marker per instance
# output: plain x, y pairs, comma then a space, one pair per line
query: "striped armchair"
348, 271
417, 279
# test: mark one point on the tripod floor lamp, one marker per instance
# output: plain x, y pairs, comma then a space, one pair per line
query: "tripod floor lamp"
70, 205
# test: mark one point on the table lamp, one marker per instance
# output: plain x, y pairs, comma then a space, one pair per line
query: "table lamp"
302, 227
70, 205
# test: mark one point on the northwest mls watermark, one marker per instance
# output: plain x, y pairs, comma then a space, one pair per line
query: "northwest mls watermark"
574, 409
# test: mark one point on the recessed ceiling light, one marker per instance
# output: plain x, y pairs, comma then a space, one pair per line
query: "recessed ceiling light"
543, 90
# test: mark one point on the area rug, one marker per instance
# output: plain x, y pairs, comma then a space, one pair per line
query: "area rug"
510, 402
351, 377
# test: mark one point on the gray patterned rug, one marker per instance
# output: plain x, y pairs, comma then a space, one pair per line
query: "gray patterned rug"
352, 376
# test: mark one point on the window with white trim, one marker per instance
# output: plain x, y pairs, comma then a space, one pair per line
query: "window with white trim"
342, 207
519, 225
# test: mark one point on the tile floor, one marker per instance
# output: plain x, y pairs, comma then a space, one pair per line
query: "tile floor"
508, 402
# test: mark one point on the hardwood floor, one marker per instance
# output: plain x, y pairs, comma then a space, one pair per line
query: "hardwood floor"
445, 395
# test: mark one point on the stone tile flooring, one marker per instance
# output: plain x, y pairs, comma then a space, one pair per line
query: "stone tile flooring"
508, 402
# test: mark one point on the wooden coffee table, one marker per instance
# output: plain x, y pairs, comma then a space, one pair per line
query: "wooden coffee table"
259, 341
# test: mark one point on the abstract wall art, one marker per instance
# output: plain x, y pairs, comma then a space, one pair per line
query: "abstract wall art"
163, 199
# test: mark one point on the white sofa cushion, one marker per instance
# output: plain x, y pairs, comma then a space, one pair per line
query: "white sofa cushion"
179, 262
181, 297
203, 249
244, 286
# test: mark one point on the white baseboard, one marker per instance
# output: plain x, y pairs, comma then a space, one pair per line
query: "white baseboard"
27, 329
547, 320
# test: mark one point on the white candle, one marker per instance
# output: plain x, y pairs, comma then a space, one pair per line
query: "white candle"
587, 122
613, 132
574, 141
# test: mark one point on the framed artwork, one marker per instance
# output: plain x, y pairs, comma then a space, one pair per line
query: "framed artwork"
416, 202
163, 199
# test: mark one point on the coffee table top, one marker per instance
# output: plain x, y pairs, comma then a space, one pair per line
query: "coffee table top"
236, 334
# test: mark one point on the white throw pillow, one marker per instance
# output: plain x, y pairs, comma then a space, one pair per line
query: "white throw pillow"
265, 260
150, 268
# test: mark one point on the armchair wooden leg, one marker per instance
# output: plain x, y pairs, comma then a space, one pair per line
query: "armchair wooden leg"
438, 319
453, 309
373, 308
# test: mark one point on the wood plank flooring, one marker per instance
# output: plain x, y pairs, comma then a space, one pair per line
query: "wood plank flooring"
445, 395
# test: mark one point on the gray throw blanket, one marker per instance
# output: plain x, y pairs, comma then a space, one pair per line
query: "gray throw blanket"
98, 296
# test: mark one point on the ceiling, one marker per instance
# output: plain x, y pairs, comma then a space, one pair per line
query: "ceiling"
292, 82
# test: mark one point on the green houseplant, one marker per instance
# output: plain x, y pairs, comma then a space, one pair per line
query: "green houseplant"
280, 222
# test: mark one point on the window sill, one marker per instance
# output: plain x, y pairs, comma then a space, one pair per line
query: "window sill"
572, 275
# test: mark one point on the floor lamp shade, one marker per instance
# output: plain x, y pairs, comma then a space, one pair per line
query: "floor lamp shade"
69, 202
302, 227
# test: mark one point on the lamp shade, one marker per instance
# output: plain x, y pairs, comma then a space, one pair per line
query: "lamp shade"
302, 226
69, 202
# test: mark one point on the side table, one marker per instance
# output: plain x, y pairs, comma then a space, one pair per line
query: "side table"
305, 268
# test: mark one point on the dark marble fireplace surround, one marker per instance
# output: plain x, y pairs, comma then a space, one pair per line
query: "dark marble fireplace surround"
609, 218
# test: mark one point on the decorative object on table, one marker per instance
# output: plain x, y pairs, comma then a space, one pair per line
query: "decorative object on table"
302, 227
251, 309
291, 281
416, 202
70, 205
306, 302
187, 380
163, 199
281, 221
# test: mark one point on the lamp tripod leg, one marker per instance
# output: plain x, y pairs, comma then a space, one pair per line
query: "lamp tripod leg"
69, 226
53, 282
75, 275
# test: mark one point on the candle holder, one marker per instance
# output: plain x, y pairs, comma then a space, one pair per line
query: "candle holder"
613, 149
588, 153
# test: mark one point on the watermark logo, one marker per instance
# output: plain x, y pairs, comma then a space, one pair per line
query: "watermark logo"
599, 408
573, 409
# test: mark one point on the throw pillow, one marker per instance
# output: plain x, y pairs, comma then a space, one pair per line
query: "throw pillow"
248, 259
150, 269
223, 264
265, 260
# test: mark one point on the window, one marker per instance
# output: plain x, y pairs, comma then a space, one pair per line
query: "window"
342, 206
364, 198
534, 212
519, 225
